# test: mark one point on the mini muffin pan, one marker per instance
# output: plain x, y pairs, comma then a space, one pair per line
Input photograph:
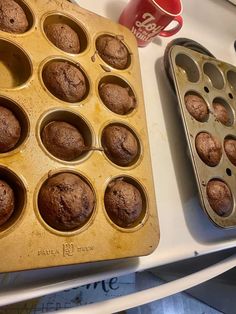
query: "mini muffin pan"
214, 81
26, 241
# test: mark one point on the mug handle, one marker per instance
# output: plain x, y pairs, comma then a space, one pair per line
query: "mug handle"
174, 30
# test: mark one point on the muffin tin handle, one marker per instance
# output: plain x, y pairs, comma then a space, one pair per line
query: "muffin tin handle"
153, 294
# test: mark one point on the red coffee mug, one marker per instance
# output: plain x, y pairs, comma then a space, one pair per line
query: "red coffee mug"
148, 18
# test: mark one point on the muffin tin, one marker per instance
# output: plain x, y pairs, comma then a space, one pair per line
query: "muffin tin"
213, 80
26, 241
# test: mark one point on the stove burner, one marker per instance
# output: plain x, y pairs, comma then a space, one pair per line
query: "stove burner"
188, 43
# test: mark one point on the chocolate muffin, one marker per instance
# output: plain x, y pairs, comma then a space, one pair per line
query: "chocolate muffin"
10, 130
7, 202
66, 202
63, 37
117, 98
219, 197
209, 148
196, 106
112, 51
221, 113
12, 17
120, 145
230, 149
63, 140
123, 203
64, 81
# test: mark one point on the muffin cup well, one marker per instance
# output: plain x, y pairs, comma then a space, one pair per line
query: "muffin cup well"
15, 65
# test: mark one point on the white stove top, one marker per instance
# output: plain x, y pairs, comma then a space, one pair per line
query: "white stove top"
185, 229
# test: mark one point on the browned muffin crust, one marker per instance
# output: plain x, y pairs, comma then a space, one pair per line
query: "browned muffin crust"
219, 197
63, 140
10, 130
7, 202
66, 202
196, 106
221, 113
117, 98
63, 37
123, 203
64, 81
120, 145
12, 17
230, 149
112, 51
209, 148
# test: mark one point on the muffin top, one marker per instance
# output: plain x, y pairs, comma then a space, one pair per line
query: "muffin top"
7, 202
12, 17
63, 37
219, 197
120, 145
112, 51
117, 98
209, 148
66, 201
63, 140
196, 106
65, 81
123, 203
10, 130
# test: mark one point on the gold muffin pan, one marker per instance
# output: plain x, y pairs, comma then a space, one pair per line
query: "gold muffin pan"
26, 241
212, 80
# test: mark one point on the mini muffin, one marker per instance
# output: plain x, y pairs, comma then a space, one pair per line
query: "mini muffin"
230, 149
120, 145
65, 201
10, 130
63, 37
63, 140
117, 98
123, 203
64, 81
209, 148
12, 17
7, 202
221, 113
219, 197
197, 107
112, 51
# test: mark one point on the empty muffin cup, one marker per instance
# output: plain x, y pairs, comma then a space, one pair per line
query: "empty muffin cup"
15, 65
188, 67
